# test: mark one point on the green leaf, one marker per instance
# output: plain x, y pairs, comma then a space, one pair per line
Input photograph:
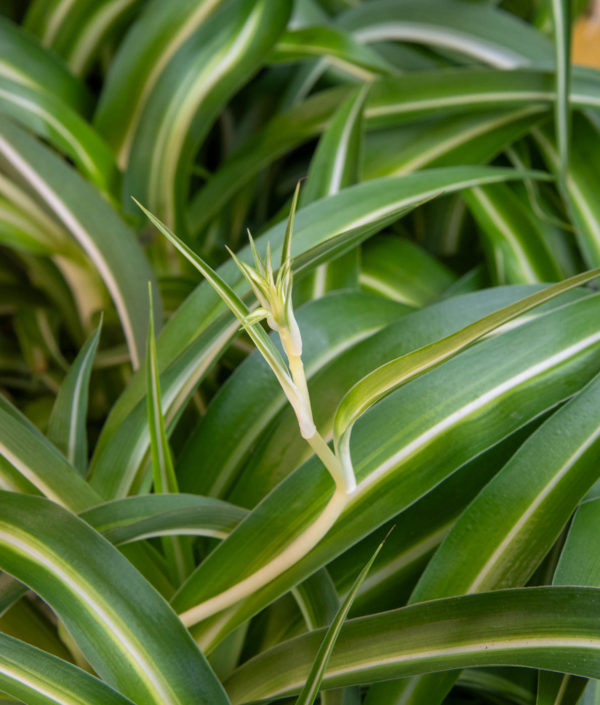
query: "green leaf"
49, 117
311, 688
420, 529
474, 138
110, 245
390, 102
517, 246
67, 424
401, 370
162, 463
578, 565
562, 53
398, 269
335, 165
518, 515
581, 184
79, 31
336, 44
36, 459
118, 621
460, 407
23, 60
160, 31
147, 516
551, 628
476, 30
37, 678
189, 95
178, 551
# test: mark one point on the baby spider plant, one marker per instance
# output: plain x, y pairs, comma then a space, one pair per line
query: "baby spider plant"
273, 291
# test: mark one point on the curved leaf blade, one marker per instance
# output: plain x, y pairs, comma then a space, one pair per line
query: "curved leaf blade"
66, 427
37, 678
225, 52
99, 231
36, 459
64, 561
550, 628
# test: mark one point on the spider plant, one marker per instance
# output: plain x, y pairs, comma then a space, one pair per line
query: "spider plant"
197, 507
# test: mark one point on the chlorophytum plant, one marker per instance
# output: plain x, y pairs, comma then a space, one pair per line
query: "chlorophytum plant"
377, 482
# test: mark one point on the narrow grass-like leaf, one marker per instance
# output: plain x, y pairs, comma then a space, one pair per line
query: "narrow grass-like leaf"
77, 30
231, 299
177, 549
578, 565
162, 463
100, 232
561, 13
334, 166
390, 376
390, 102
474, 138
37, 678
477, 30
551, 628
312, 686
67, 424
581, 183
535, 494
117, 619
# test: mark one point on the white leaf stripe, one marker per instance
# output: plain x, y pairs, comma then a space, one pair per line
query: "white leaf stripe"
117, 633
76, 404
300, 545
70, 138
25, 667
